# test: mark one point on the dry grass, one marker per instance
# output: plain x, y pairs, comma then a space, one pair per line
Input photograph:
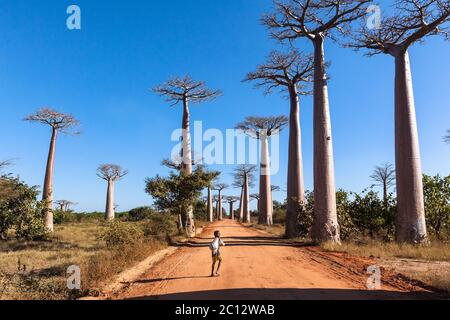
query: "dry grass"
436, 278
37, 270
436, 251
276, 229
429, 264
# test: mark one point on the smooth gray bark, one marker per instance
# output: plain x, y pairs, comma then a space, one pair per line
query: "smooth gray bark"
209, 206
246, 198
325, 224
47, 194
295, 179
109, 210
410, 220
187, 162
231, 211
241, 205
219, 207
265, 204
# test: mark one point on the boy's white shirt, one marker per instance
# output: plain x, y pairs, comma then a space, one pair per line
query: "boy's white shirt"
215, 245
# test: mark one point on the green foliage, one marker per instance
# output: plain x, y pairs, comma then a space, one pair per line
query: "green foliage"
20, 210
120, 233
305, 214
141, 213
370, 215
200, 212
178, 191
160, 225
60, 216
346, 224
437, 204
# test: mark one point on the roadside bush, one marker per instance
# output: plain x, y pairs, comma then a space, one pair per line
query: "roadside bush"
346, 224
160, 225
141, 213
20, 210
370, 216
120, 233
437, 205
60, 216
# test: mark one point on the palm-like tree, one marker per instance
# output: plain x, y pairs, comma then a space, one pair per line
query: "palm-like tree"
185, 90
262, 128
292, 73
58, 122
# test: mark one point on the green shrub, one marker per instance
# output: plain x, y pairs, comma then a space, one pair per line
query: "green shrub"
60, 216
160, 225
20, 210
140, 213
437, 205
120, 233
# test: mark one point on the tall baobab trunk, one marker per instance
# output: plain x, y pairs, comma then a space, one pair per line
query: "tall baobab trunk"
187, 162
219, 207
231, 211
47, 194
265, 205
241, 205
410, 224
209, 206
325, 225
385, 195
295, 181
245, 208
109, 211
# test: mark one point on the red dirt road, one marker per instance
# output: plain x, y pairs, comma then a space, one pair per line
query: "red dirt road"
260, 266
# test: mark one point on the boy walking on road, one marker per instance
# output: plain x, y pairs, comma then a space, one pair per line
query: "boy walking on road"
216, 256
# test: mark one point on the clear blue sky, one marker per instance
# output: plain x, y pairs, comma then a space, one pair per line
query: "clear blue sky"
102, 75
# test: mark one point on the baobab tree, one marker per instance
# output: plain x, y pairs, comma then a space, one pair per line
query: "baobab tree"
110, 173
209, 204
58, 122
317, 20
262, 128
244, 178
384, 176
291, 72
231, 201
412, 22
215, 201
219, 187
186, 90
64, 205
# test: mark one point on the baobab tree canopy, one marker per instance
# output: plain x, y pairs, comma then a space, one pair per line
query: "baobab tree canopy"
413, 20
284, 70
262, 126
179, 89
62, 122
111, 172
239, 175
312, 18
384, 175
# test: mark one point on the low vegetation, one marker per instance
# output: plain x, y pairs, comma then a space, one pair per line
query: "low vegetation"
33, 263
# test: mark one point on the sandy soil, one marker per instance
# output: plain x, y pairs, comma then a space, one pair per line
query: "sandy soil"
260, 266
